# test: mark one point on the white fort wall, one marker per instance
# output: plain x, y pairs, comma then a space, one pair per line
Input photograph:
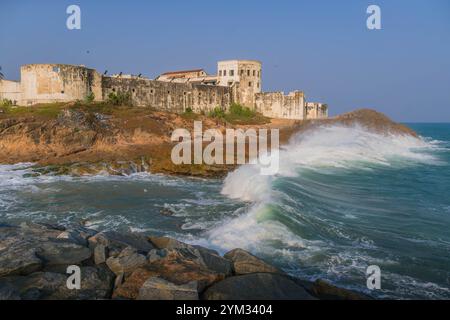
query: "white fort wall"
237, 81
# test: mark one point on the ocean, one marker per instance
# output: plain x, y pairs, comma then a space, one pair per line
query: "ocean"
344, 199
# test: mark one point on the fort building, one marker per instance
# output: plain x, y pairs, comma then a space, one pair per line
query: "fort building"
236, 81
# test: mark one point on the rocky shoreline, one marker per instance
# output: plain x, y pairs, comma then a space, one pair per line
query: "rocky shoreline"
125, 140
34, 259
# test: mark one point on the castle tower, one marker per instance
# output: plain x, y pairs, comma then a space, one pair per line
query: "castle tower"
245, 78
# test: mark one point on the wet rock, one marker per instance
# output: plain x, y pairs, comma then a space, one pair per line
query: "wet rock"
19, 260
166, 212
119, 280
210, 258
17, 252
245, 263
257, 286
184, 265
8, 291
117, 242
155, 254
96, 283
326, 291
167, 243
156, 288
129, 289
100, 254
63, 252
127, 261
72, 236
216, 263
41, 231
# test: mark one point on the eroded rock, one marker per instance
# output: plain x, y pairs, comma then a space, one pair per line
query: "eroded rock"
245, 263
127, 261
155, 288
117, 241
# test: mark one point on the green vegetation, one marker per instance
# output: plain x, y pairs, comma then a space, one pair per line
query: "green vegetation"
189, 114
46, 110
119, 99
89, 98
238, 115
6, 103
217, 113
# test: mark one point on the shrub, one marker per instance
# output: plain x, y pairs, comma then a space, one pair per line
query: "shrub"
217, 112
89, 98
119, 99
238, 110
6, 103
189, 114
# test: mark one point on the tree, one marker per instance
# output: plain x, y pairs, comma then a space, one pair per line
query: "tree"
1, 74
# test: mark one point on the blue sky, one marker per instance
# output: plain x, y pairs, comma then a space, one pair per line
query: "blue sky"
320, 47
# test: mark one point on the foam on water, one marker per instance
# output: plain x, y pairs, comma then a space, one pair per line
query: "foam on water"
327, 213
272, 224
332, 147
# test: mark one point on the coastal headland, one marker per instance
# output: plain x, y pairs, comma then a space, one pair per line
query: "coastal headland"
86, 139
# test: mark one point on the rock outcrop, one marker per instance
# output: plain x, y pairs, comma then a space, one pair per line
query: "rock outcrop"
78, 140
245, 263
34, 259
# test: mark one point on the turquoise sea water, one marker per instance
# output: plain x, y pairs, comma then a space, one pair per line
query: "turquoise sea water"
344, 199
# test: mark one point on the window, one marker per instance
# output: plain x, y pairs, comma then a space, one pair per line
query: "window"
248, 73
114, 89
224, 73
220, 73
254, 72
259, 74
133, 90
242, 72
151, 91
231, 73
249, 84
257, 85
62, 91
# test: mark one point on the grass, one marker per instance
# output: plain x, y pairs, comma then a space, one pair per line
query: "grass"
46, 110
52, 110
189, 114
237, 114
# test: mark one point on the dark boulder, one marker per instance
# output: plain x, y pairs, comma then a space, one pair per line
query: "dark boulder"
326, 291
257, 286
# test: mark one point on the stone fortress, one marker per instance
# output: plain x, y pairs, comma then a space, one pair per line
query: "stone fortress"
236, 81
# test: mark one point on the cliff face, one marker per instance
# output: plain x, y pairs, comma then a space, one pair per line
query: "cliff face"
80, 141
86, 142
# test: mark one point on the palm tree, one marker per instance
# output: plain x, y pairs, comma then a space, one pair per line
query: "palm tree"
1, 74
